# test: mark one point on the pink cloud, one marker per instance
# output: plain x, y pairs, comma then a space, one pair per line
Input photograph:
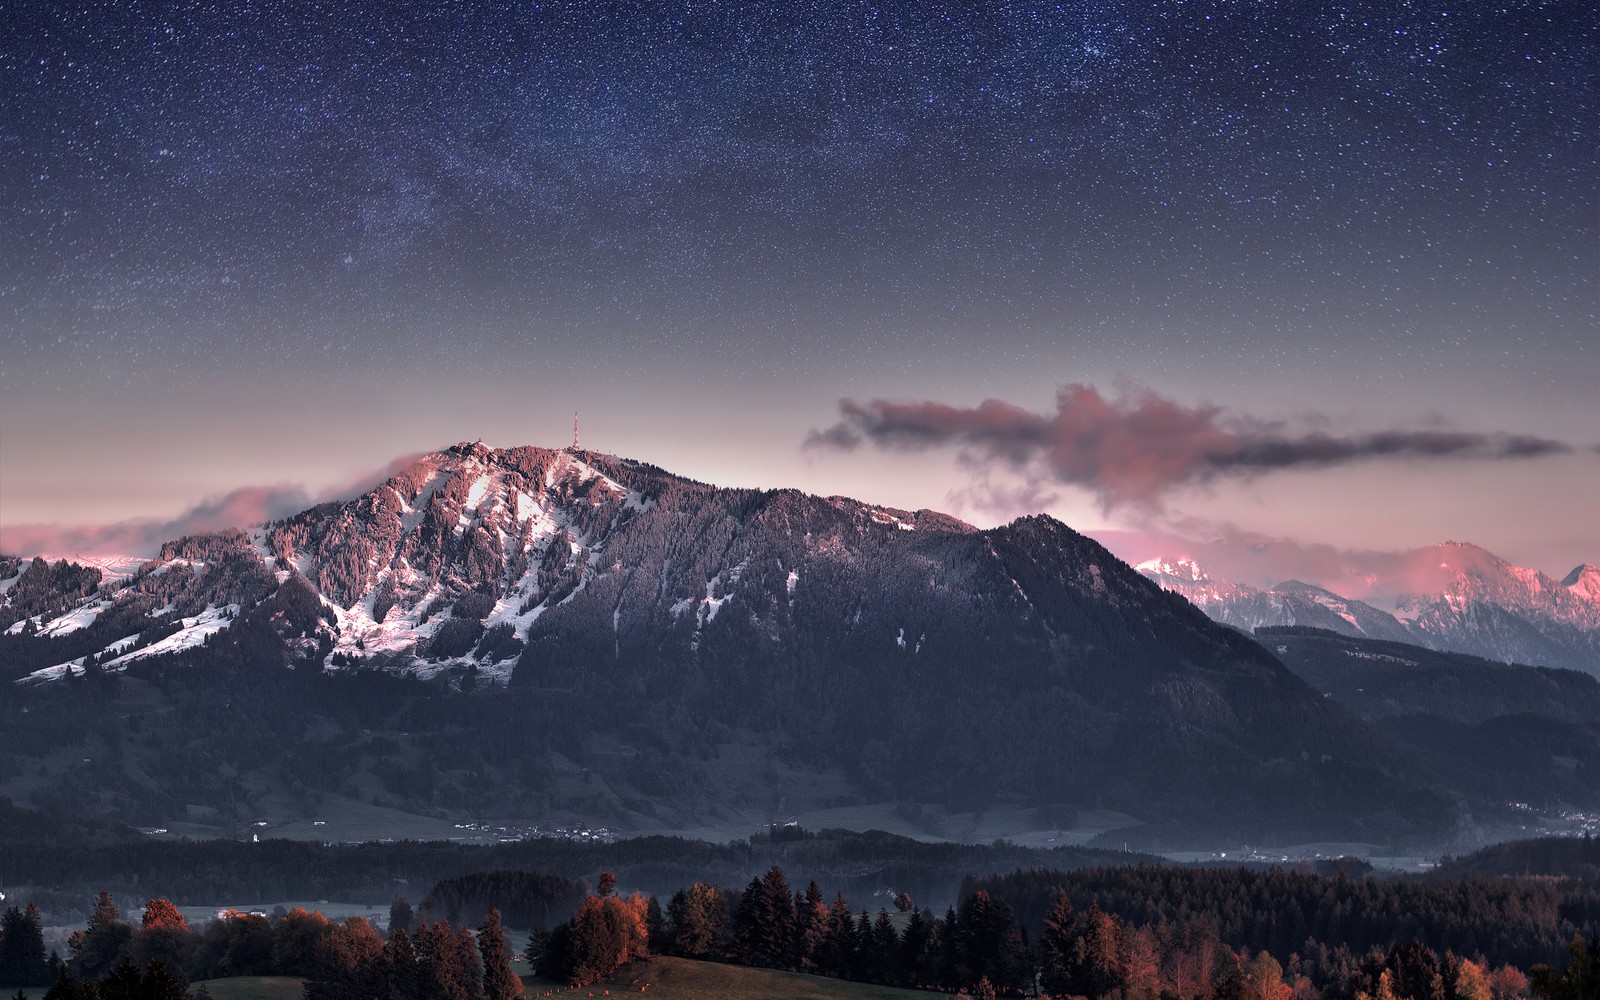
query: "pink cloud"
238, 508
1137, 446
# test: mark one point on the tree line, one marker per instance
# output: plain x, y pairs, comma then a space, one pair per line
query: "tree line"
1180, 941
159, 957
982, 947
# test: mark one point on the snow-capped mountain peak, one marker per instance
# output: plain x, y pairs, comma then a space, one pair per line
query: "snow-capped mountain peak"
1584, 582
1453, 596
1181, 568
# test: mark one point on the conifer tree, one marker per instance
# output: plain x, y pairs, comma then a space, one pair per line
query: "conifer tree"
402, 973
124, 982
163, 982
96, 949
69, 987
1058, 945
22, 956
913, 942
399, 915
885, 949
811, 927
499, 982
1581, 981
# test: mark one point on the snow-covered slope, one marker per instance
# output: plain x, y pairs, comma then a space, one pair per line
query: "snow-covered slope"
449, 565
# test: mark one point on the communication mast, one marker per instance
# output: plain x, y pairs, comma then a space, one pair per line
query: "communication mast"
575, 431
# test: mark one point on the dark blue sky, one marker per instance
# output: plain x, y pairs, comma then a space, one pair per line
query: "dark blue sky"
312, 236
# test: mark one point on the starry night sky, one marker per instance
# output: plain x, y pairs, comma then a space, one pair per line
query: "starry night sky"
266, 243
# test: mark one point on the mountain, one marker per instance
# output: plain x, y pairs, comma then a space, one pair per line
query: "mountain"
1454, 596
659, 651
1529, 735
1289, 603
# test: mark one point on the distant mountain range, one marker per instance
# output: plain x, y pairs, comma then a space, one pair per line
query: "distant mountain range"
1453, 596
1510, 733
671, 651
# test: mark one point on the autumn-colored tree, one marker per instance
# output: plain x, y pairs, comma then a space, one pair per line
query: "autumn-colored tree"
604, 935
1472, 982
164, 936
162, 913
698, 917
1263, 979
1508, 983
811, 926
295, 937
449, 967
606, 885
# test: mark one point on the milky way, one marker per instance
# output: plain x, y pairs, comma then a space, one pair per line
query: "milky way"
1311, 199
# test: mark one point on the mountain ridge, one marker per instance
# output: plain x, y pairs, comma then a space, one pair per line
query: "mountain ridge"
1454, 596
911, 656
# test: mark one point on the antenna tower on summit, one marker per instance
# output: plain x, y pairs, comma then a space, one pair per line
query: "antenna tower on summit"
575, 430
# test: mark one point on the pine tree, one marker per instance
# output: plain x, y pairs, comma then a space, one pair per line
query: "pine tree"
96, 949
885, 949
1581, 980
499, 982
124, 982
403, 975
913, 942
399, 915
68, 987
1059, 945
697, 915
22, 957
1098, 969
163, 982
811, 927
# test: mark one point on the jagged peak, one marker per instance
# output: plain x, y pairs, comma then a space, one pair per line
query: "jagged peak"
1179, 568
1584, 582
1580, 572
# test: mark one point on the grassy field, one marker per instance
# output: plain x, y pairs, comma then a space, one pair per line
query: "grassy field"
681, 979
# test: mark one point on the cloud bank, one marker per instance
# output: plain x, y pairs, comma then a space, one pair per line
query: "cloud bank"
1137, 446
144, 536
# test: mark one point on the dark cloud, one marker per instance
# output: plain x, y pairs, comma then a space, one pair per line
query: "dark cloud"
1136, 446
